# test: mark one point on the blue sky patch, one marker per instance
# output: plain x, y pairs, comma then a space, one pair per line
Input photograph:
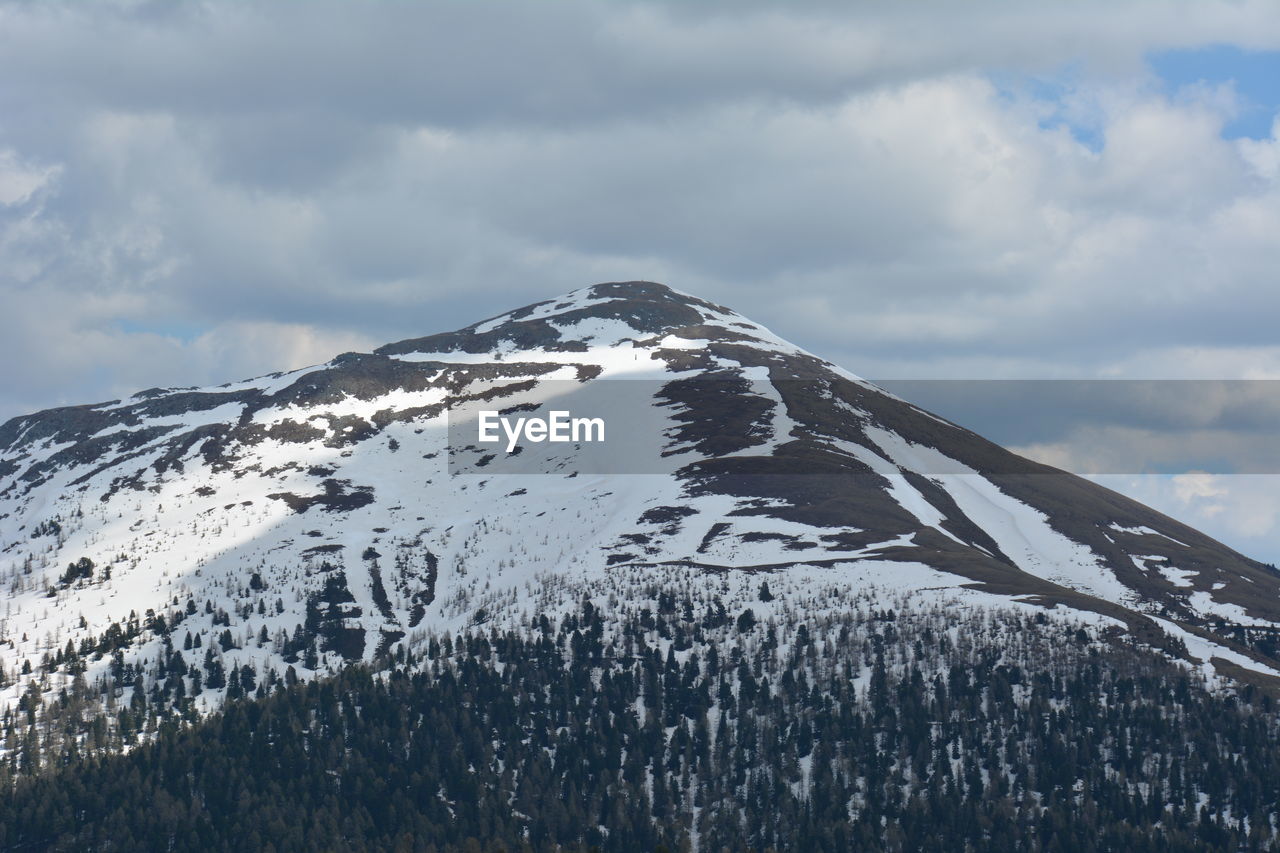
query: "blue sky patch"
1254, 74
1053, 91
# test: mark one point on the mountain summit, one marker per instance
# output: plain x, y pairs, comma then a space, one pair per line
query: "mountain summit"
348, 511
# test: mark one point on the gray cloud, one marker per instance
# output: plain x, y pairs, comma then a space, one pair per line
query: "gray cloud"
1112, 426
844, 172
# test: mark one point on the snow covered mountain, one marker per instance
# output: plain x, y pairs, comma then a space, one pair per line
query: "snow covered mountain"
340, 512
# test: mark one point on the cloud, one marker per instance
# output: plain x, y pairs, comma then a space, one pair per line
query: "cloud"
850, 174
20, 181
852, 153
1121, 450
1263, 155
189, 192
1197, 485
1241, 510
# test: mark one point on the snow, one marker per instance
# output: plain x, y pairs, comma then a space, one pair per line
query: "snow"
906, 495
1159, 563
1202, 602
1176, 576
217, 414
601, 331
1022, 532
1143, 530
1205, 650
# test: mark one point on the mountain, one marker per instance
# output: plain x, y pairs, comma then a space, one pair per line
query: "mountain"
289, 525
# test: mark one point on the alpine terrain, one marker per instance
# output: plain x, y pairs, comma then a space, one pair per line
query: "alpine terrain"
755, 548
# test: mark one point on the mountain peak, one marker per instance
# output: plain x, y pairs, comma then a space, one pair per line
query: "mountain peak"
613, 293
598, 315
644, 290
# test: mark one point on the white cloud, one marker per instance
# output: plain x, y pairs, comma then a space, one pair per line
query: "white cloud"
934, 219
1198, 485
19, 181
1241, 510
1264, 154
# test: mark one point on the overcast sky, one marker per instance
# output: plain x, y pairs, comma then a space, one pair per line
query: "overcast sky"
197, 192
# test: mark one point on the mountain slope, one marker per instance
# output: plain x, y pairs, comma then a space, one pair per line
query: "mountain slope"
326, 515
869, 732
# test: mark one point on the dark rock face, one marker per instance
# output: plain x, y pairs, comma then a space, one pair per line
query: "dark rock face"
338, 496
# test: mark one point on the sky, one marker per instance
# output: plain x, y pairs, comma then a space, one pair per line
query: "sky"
200, 192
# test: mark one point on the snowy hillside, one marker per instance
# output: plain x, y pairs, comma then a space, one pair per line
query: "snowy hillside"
335, 513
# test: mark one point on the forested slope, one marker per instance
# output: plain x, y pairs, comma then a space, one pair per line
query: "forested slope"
916, 730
